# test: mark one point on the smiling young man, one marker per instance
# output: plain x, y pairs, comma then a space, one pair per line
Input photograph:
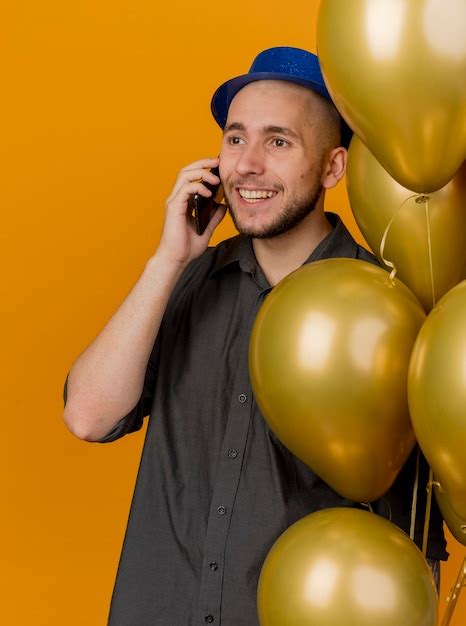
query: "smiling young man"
215, 488
280, 151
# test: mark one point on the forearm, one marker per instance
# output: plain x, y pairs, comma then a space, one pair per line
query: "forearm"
106, 380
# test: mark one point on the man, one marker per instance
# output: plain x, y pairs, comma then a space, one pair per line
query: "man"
215, 488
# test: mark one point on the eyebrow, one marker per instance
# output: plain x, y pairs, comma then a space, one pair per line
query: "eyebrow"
267, 130
234, 126
281, 130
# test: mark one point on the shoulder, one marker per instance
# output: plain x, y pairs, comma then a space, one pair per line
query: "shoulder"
341, 244
211, 259
199, 270
365, 255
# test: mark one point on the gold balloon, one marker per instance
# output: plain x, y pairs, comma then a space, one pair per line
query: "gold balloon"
345, 567
456, 525
376, 198
397, 72
328, 359
437, 394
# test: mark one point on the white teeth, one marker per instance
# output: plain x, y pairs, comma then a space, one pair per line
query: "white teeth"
255, 194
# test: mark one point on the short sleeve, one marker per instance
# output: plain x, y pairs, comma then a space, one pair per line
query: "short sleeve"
134, 420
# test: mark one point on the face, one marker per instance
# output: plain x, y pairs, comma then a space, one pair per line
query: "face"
271, 163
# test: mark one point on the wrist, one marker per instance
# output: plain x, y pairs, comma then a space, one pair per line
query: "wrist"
164, 262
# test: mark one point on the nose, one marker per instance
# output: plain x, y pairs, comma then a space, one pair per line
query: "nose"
250, 160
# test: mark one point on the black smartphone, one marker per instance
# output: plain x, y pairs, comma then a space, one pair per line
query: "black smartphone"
203, 208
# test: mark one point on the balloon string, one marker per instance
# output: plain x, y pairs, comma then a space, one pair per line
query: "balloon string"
368, 504
425, 199
414, 502
454, 594
384, 238
427, 515
425, 537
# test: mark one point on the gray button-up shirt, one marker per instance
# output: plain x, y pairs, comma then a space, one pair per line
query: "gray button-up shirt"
215, 488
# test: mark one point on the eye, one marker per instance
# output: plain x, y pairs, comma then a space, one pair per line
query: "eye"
278, 142
234, 140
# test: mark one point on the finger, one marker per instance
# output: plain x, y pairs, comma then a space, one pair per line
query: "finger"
209, 177
196, 170
178, 203
194, 175
201, 164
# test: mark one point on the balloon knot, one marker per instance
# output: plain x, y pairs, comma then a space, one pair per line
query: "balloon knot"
422, 198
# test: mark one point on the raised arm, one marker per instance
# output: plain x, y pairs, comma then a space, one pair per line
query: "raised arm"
106, 380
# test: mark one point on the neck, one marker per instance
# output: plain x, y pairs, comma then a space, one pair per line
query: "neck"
281, 255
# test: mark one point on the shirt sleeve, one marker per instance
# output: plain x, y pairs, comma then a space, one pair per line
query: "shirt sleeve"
134, 420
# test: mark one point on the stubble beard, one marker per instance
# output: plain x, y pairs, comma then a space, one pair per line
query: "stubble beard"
288, 218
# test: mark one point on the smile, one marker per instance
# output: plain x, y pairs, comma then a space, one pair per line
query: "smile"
256, 195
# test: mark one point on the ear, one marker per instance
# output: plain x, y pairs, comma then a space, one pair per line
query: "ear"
335, 167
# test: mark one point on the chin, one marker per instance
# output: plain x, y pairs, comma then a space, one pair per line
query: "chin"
253, 228
264, 232
276, 221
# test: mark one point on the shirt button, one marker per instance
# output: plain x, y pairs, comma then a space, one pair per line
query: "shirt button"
242, 398
221, 510
213, 566
232, 454
209, 619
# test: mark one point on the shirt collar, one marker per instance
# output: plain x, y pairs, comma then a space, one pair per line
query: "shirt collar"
338, 243
239, 250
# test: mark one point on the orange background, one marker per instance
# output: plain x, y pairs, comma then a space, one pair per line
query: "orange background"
102, 103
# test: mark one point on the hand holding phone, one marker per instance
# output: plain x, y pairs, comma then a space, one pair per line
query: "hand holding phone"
203, 208
180, 242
